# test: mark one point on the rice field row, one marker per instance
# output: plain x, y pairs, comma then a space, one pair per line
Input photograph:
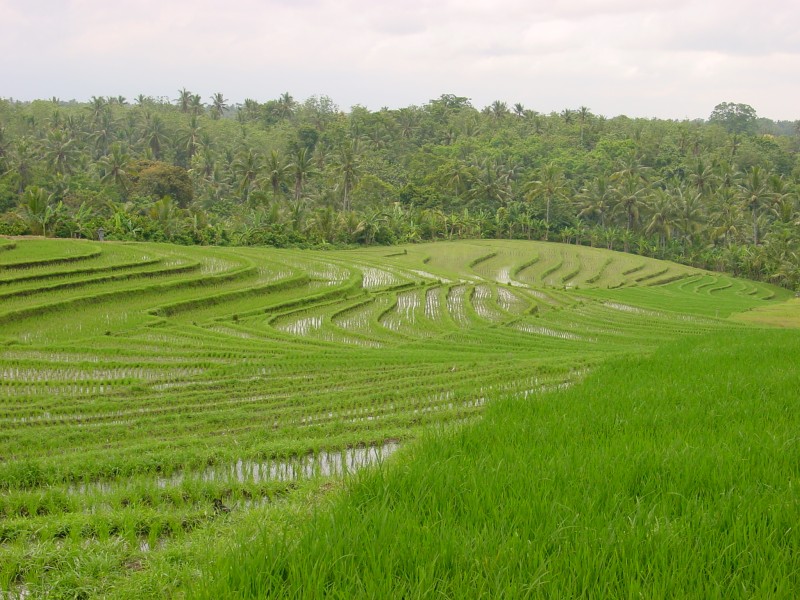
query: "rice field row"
149, 391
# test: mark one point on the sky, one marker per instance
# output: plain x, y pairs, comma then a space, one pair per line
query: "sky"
673, 59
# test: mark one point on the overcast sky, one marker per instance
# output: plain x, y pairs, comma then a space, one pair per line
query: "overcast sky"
643, 58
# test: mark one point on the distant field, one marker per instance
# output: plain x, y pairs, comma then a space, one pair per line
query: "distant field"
150, 394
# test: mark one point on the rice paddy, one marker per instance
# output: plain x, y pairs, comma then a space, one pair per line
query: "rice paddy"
152, 396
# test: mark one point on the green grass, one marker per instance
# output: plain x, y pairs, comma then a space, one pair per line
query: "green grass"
650, 478
131, 375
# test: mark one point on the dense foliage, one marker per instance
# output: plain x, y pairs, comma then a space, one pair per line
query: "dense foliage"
720, 194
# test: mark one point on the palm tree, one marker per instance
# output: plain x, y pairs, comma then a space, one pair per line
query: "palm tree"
690, 214
584, 114
184, 100
204, 162
407, 121
630, 188
55, 120
347, 164
60, 152
297, 211
726, 218
550, 187
97, 105
189, 140
22, 163
783, 201
196, 105
702, 177
247, 168
251, 109
37, 209
498, 110
519, 110
285, 106
631, 194
661, 217
454, 176
755, 196
724, 174
4, 150
167, 214
301, 168
104, 133
326, 222
218, 105
155, 134
113, 167
275, 171
490, 183
596, 201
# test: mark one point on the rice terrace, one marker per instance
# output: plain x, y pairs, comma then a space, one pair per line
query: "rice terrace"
462, 419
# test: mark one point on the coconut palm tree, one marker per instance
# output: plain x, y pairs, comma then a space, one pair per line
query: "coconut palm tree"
689, 212
196, 105
104, 133
113, 167
5, 148
168, 215
584, 115
247, 166
97, 105
22, 163
184, 100
407, 122
550, 187
490, 183
631, 188
631, 195
498, 110
37, 209
275, 171
347, 166
301, 168
596, 201
285, 106
755, 196
189, 140
60, 152
702, 177
662, 213
726, 218
155, 135
218, 105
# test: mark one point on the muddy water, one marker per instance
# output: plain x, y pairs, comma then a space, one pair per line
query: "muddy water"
323, 464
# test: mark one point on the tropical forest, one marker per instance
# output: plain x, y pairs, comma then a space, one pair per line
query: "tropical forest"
720, 194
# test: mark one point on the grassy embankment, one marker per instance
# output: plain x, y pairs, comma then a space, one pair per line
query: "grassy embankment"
675, 475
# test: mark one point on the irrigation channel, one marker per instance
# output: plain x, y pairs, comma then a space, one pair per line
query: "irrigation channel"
145, 386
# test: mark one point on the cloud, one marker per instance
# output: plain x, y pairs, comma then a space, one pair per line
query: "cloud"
670, 58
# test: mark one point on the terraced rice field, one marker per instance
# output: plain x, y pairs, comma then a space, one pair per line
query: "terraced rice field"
148, 391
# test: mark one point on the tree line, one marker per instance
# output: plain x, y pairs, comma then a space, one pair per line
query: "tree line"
720, 193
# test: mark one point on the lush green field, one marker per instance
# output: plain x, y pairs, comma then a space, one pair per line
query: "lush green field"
672, 476
155, 400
